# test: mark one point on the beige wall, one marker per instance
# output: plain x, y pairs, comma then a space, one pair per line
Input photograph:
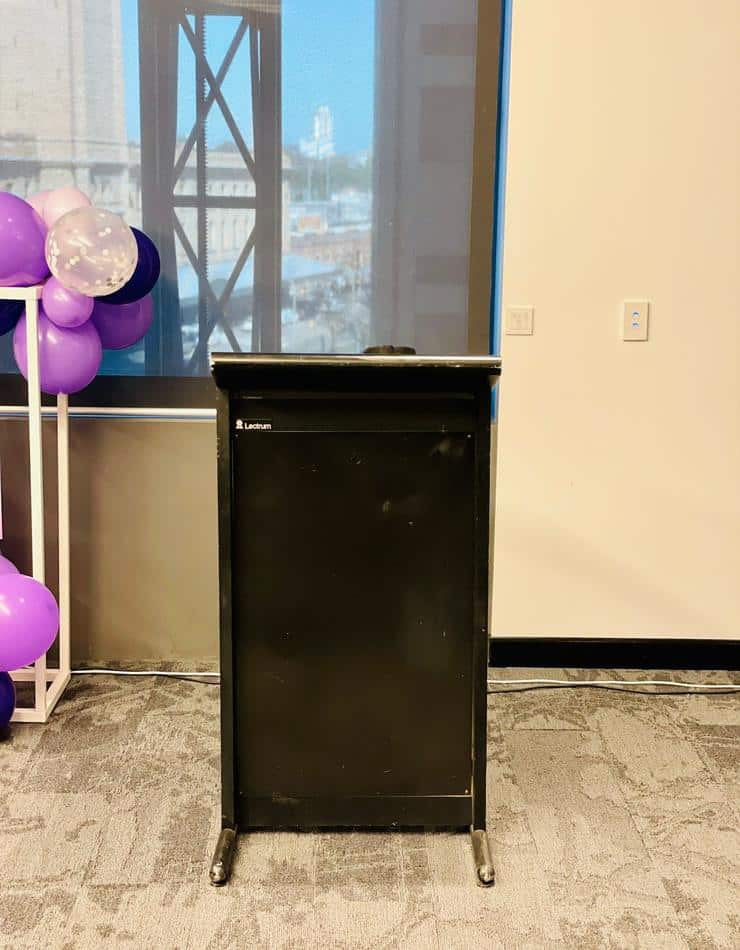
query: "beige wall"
143, 535
618, 507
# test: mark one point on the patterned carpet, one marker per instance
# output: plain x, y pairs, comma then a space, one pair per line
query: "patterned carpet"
613, 818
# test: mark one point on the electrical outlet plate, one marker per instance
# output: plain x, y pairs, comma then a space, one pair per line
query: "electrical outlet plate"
519, 321
635, 315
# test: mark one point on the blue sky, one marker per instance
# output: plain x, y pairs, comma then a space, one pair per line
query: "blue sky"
328, 59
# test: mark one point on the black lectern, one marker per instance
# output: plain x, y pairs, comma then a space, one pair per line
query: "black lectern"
354, 535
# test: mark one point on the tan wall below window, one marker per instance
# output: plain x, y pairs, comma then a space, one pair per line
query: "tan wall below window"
143, 530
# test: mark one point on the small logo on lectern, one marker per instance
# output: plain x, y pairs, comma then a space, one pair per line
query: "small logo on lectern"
253, 425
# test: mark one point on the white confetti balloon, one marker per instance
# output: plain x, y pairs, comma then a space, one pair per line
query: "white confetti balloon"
91, 251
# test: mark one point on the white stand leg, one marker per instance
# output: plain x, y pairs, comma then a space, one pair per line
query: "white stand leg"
36, 469
62, 678
48, 683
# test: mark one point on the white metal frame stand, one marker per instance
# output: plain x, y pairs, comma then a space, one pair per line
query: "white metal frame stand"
49, 683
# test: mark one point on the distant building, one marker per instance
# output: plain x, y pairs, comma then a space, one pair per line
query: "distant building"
345, 209
62, 113
63, 121
349, 249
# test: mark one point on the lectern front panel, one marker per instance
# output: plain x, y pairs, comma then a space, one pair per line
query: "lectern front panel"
353, 565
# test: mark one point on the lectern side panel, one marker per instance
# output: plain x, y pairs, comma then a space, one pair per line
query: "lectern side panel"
228, 752
353, 624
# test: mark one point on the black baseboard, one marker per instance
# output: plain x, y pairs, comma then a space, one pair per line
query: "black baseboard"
606, 653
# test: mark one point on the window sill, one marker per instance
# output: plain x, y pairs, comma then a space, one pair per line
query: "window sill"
126, 396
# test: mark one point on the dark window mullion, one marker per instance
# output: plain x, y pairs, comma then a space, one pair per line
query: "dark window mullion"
200, 363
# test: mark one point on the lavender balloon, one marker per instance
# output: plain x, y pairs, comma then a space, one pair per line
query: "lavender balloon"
122, 325
69, 357
7, 566
29, 620
22, 237
65, 307
58, 202
38, 200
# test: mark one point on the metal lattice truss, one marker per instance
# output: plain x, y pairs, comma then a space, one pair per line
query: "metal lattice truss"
262, 162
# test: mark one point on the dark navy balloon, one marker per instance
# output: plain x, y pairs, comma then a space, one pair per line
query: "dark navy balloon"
144, 277
7, 699
10, 311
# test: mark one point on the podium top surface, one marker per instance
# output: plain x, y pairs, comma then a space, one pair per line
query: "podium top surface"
233, 369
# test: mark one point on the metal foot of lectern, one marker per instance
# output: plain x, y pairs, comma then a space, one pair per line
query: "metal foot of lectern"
223, 857
482, 856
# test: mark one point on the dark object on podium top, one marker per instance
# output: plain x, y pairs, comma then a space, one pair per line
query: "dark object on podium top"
145, 276
341, 477
388, 349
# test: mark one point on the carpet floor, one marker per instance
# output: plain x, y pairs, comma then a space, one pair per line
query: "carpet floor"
613, 819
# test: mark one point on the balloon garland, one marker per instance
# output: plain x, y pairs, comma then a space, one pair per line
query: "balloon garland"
97, 275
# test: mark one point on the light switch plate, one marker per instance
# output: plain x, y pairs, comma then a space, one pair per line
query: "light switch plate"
635, 315
519, 321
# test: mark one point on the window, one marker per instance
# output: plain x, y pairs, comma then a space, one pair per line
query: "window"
304, 168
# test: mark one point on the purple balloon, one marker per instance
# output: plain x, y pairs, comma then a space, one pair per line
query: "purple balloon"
7, 700
22, 239
69, 357
7, 566
122, 325
65, 307
29, 620
144, 277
